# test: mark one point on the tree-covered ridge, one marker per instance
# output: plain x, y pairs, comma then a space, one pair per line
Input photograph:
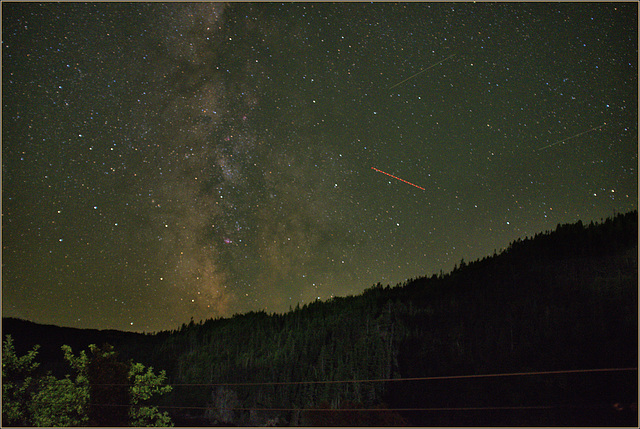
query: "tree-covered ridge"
565, 299
560, 300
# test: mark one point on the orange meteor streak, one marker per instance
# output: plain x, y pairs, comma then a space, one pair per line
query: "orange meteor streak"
402, 180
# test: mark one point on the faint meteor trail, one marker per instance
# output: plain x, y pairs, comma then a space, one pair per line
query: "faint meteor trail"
402, 180
422, 71
572, 137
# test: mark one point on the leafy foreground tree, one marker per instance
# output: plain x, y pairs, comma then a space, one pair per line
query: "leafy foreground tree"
97, 396
145, 385
17, 383
61, 402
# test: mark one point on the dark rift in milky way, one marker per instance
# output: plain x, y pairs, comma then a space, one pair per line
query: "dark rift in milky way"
234, 206
163, 161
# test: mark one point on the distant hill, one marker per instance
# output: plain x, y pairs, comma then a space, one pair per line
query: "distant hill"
50, 337
562, 300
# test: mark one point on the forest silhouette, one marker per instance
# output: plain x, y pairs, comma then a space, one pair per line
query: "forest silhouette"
541, 310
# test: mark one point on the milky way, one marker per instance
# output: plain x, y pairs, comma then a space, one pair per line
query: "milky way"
163, 161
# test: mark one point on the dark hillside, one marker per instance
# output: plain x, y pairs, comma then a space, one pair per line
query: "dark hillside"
26, 334
562, 300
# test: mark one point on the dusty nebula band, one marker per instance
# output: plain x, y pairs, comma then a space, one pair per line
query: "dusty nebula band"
163, 161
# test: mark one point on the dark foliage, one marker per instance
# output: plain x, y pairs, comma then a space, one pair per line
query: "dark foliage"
351, 414
50, 337
561, 300
108, 388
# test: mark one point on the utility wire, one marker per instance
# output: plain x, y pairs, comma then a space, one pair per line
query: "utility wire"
523, 407
379, 380
382, 410
497, 408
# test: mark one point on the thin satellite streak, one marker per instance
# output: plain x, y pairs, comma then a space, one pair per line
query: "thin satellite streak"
402, 180
572, 137
422, 71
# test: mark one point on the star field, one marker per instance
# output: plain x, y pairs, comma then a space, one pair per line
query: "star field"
163, 161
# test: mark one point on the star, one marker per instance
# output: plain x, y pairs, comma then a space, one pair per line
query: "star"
222, 149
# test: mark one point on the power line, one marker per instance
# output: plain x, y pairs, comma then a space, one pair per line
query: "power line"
380, 380
524, 407
426, 409
498, 408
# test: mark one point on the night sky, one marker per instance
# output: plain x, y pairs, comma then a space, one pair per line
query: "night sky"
162, 161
